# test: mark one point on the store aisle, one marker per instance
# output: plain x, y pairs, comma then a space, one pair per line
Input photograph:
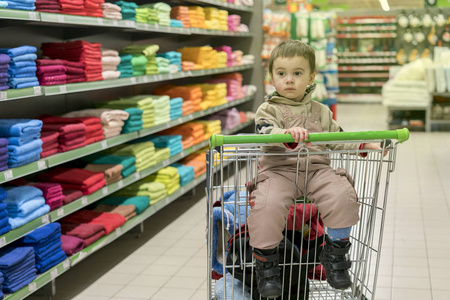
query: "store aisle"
169, 260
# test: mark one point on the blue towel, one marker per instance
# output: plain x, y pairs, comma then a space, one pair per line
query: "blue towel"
15, 161
19, 127
175, 150
12, 273
20, 140
25, 148
15, 83
22, 64
175, 23
20, 194
128, 171
27, 208
3, 196
42, 234
3, 213
17, 222
30, 56
51, 248
44, 247
14, 72
234, 289
26, 279
187, 173
4, 222
11, 257
27, 74
51, 261
26, 84
176, 101
18, 50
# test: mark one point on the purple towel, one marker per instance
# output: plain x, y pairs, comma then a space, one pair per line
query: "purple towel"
4, 74
4, 59
71, 244
3, 142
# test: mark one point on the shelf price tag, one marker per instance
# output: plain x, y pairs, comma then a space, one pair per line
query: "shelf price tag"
41, 165
66, 264
2, 241
99, 21
32, 287
120, 184
137, 175
105, 191
37, 90
118, 231
45, 219
60, 18
104, 145
3, 96
133, 80
115, 23
8, 174
60, 212
62, 89
84, 200
54, 273
32, 15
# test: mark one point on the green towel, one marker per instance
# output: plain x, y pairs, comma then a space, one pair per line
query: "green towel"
139, 202
161, 154
128, 171
147, 50
102, 158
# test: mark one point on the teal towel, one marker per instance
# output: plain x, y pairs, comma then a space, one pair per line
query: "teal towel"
140, 202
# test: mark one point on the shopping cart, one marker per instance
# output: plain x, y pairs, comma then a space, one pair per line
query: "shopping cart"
232, 173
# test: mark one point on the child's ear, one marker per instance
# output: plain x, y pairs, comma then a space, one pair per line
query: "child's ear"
311, 78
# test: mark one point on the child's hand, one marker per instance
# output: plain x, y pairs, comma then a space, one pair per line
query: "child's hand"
299, 134
374, 146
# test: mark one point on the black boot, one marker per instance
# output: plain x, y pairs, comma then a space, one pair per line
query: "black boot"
336, 264
267, 273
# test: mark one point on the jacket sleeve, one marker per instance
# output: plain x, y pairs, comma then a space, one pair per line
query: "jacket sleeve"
269, 120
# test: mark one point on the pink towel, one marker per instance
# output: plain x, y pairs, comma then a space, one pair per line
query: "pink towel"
71, 244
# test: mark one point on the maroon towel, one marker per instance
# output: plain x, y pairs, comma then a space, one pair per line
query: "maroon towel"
50, 69
94, 238
64, 148
48, 119
71, 142
48, 137
86, 191
72, 135
109, 220
64, 128
71, 244
82, 231
81, 177
71, 195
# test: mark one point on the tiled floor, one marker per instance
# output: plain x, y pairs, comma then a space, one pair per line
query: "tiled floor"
168, 261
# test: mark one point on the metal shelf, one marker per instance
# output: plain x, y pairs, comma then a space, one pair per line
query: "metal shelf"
359, 98
364, 21
363, 75
365, 35
223, 4
366, 28
366, 54
367, 60
365, 84
363, 68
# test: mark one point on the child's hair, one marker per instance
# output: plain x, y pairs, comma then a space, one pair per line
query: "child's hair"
292, 48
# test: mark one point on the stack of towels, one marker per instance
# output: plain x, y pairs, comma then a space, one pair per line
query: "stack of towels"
187, 65
222, 59
51, 71
210, 127
134, 121
78, 51
111, 120
213, 94
162, 12
155, 191
142, 151
204, 57
174, 59
128, 10
75, 71
142, 102
74, 179
52, 193
17, 264
188, 130
126, 211
234, 85
125, 67
187, 108
229, 118
4, 66
143, 15
109, 221
237, 57
21, 4
88, 233
181, 13
46, 242
197, 162
72, 7
161, 154
23, 136
127, 162
234, 21
229, 51
110, 61
70, 135
4, 220
24, 204
71, 195
162, 109
163, 65
173, 142
176, 23
111, 11
149, 52
169, 177
139, 62
216, 18
192, 94
186, 173
71, 244
3, 154
93, 8
50, 6
22, 67
112, 172
176, 108
196, 17
140, 203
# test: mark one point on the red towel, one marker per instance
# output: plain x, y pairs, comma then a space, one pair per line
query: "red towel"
71, 135
49, 152
71, 142
82, 231
52, 68
64, 128
71, 244
48, 119
80, 177
109, 220
94, 139
50, 146
64, 148
49, 137
85, 191
71, 195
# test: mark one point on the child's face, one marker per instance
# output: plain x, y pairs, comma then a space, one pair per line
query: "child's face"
291, 76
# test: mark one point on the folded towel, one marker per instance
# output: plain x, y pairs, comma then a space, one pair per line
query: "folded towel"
51, 261
71, 244
19, 221
12, 257
110, 221
18, 51
21, 194
140, 202
27, 207
82, 178
42, 234
23, 159
19, 127
27, 147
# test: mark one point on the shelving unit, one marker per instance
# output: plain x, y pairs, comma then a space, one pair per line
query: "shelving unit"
365, 53
116, 34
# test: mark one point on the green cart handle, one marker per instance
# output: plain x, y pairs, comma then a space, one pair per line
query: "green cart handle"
400, 135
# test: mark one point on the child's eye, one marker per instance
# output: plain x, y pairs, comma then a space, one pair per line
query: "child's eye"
297, 73
281, 73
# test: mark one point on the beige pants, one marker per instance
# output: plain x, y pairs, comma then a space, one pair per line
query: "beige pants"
330, 190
